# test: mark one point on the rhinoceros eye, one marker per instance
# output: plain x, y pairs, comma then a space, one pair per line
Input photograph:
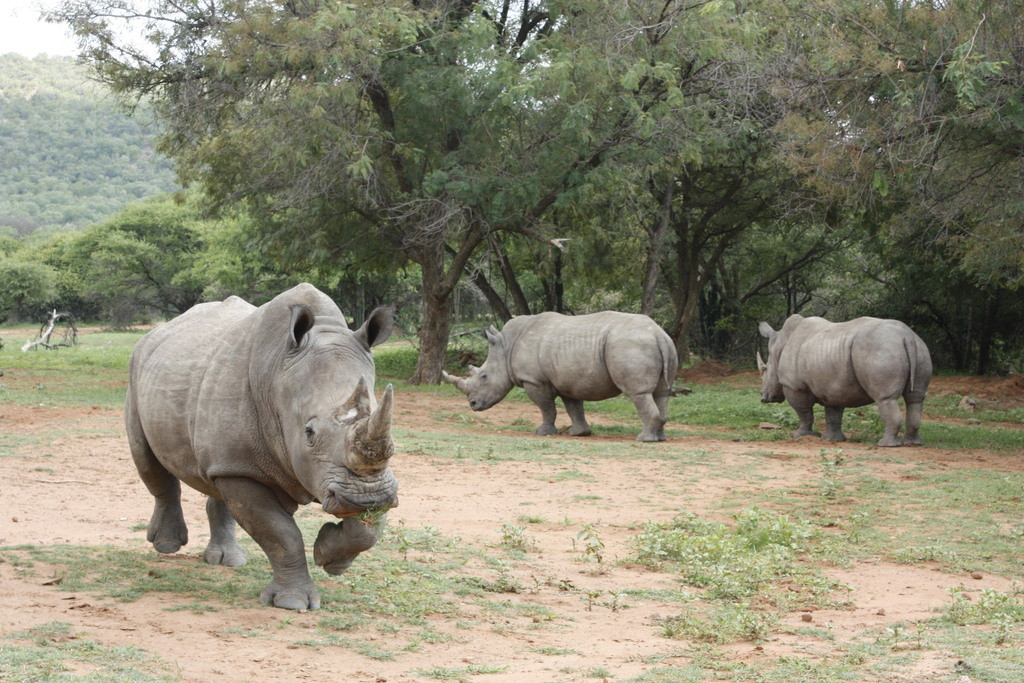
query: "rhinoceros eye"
310, 435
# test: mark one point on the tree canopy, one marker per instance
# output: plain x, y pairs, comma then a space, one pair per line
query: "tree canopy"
705, 162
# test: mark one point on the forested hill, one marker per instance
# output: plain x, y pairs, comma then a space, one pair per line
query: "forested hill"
68, 156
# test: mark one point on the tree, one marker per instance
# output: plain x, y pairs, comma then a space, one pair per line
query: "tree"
26, 289
380, 133
141, 261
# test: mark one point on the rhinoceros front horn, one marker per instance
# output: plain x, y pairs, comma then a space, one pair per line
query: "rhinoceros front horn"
379, 424
451, 379
372, 445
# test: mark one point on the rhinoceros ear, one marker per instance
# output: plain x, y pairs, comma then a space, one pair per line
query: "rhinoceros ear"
377, 327
493, 336
302, 322
766, 331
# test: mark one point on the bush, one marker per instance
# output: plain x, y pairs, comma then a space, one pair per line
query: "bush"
26, 289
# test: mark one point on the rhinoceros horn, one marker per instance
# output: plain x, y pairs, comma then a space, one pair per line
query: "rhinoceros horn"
379, 425
372, 445
451, 379
760, 363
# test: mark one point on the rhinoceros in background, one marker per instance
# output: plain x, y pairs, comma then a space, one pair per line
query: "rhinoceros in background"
578, 358
264, 409
846, 365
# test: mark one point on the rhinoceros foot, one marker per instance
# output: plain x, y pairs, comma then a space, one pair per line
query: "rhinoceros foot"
227, 555
337, 545
649, 436
889, 442
167, 531
304, 595
546, 430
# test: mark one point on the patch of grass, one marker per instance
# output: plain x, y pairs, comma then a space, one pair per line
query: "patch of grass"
443, 673
95, 372
749, 573
48, 651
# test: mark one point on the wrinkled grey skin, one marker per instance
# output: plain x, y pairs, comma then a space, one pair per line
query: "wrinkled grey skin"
846, 365
577, 358
262, 409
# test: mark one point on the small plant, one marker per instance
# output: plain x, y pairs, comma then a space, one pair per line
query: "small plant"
592, 545
514, 537
831, 460
590, 597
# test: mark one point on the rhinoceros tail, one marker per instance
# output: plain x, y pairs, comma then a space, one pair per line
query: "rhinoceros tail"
669, 359
910, 346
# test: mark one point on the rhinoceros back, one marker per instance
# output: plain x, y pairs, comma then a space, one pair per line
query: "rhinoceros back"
591, 357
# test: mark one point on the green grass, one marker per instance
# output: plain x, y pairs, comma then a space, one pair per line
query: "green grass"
55, 652
93, 373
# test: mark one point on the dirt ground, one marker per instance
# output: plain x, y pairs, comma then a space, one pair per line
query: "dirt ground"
88, 493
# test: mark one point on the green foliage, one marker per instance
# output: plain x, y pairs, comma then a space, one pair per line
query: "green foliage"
43, 653
729, 563
26, 289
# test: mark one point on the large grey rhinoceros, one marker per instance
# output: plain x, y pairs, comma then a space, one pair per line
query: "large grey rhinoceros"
264, 409
578, 358
846, 365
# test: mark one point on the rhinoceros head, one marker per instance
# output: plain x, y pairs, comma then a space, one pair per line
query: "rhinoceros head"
336, 437
771, 388
491, 382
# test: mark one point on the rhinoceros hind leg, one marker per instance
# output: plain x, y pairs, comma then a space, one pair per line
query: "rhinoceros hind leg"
912, 436
889, 411
650, 415
167, 530
833, 424
579, 420
223, 547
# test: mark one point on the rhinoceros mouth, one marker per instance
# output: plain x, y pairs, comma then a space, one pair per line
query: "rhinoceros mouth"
340, 507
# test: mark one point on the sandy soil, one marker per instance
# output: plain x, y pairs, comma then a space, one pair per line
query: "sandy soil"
83, 489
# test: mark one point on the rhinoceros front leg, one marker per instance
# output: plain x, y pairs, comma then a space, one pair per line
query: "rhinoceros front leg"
261, 513
545, 400
834, 424
803, 405
574, 408
223, 547
650, 414
889, 411
337, 545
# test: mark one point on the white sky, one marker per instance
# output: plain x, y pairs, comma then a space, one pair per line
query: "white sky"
22, 31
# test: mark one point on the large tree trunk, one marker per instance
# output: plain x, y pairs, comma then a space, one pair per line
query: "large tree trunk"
657, 234
437, 323
686, 307
438, 286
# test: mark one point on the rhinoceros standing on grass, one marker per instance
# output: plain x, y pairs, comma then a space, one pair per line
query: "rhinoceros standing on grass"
577, 358
264, 409
846, 365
